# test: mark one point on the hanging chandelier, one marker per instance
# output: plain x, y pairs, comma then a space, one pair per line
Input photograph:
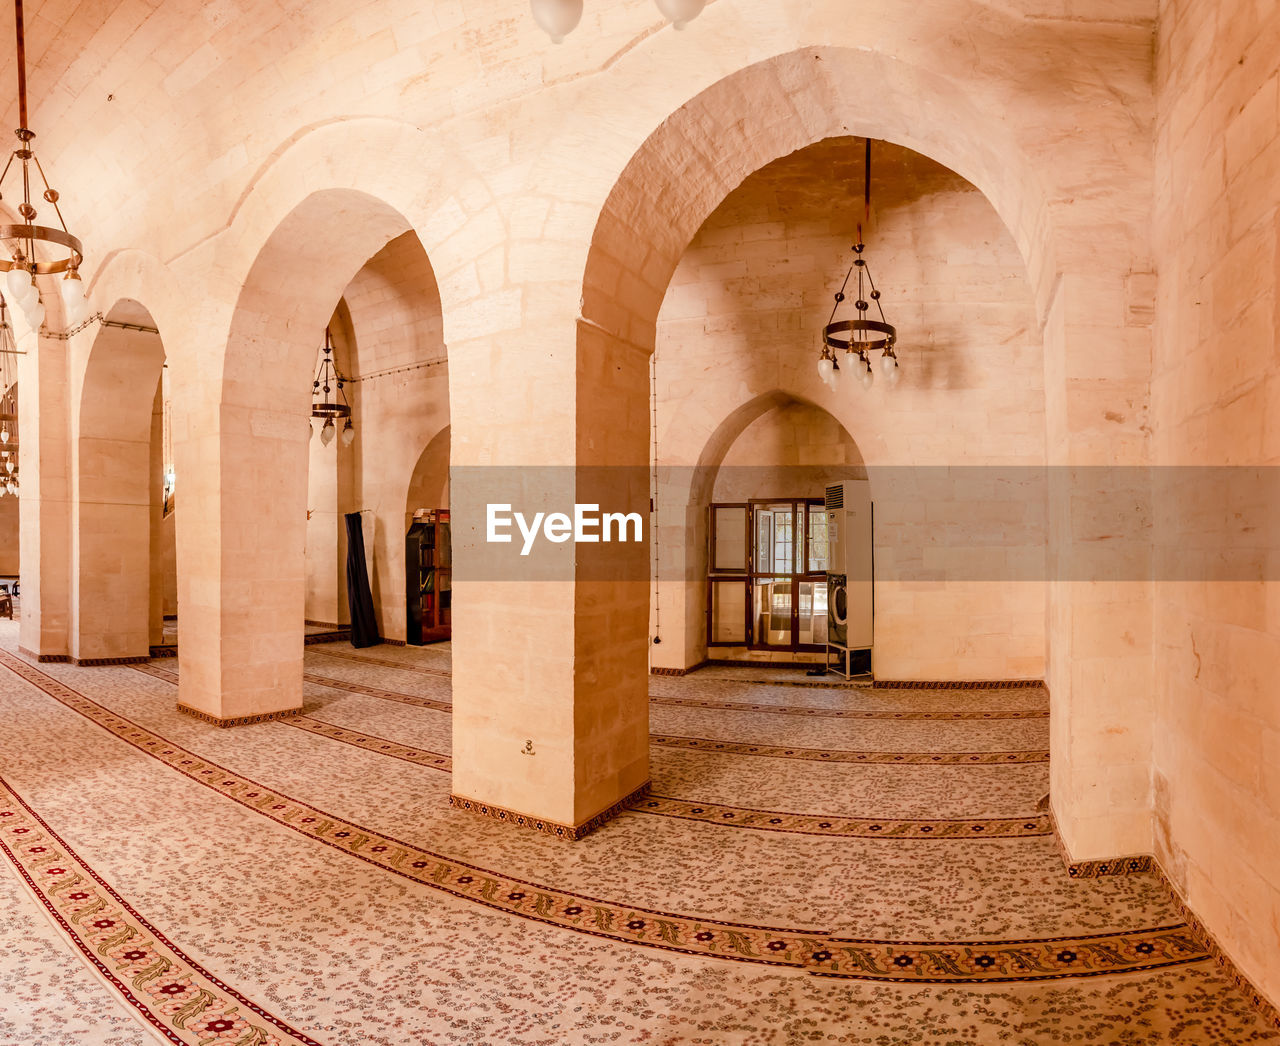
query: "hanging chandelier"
37, 250
860, 337
329, 384
22, 239
8, 405
559, 18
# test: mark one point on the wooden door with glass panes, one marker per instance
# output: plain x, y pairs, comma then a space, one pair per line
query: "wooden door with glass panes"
766, 587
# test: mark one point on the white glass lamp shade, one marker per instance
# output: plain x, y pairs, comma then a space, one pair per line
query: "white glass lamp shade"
35, 316
891, 371
8, 466
74, 306
27, 297
887, 363
71, 288
557, 18
326, 433
826, 368
4, 434
681, 12
348, 433
76, 312
868, 377
16, 281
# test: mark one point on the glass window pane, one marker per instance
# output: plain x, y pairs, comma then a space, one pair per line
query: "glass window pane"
813, 612
764, 540
775, 539
784, 555
817, 538
729, 612
772, 605
730, 523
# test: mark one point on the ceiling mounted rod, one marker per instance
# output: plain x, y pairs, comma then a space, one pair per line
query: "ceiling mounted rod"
22, 65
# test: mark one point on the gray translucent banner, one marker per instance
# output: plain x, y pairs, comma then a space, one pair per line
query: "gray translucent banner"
930, 524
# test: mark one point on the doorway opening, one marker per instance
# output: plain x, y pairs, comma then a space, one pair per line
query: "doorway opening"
767, 582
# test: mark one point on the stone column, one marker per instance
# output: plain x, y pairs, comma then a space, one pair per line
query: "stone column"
44, 505
1097, 352
112, 487
550, 677
241, 539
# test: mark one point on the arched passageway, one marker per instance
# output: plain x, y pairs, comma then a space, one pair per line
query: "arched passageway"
778, 449
699, 156
118, 549
388, 342
255, 474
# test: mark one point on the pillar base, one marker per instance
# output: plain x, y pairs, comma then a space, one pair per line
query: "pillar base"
1148, 864
45, 659
1134, 864
95, 662
541, 824
245, 720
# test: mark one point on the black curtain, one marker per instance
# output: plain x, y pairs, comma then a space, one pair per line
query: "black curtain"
364, 626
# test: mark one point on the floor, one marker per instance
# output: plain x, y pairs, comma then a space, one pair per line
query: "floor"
816, 864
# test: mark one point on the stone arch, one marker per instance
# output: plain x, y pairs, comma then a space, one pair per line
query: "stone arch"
684, 494
249, 483
707, 147
112, 487
343, 168
740, 320
428, 486
136, 275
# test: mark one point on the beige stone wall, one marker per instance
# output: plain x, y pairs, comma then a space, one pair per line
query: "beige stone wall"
741, 322
1216, 401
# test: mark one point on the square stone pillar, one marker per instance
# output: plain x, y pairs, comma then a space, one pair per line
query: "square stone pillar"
113, 424
1097, 359
44, 504
550, 694
241, 540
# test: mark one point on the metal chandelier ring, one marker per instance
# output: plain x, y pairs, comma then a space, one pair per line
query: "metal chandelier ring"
841, 335
45, 234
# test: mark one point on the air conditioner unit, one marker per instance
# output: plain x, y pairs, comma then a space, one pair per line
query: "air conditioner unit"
849, 564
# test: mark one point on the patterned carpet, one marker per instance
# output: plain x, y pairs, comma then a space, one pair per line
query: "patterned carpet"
305, 881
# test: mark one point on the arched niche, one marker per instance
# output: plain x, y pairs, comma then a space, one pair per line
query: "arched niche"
777, 445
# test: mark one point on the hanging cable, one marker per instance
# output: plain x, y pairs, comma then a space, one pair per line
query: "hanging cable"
653, 487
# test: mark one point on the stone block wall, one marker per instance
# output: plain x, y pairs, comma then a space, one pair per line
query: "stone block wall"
1216, 403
